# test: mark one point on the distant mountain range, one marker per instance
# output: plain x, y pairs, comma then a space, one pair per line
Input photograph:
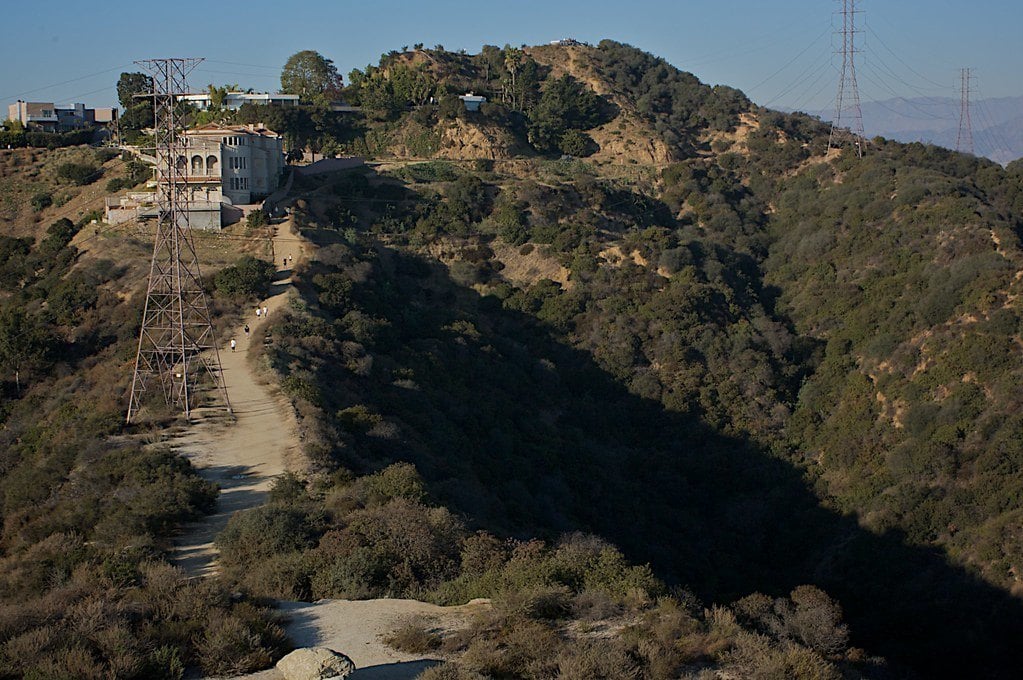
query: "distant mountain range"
997, 123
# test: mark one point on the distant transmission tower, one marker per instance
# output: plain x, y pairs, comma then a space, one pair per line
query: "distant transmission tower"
964, 140
848, 121
177, 349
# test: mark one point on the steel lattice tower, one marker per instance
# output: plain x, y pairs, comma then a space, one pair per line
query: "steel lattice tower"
848, 122
964, 139
177, 348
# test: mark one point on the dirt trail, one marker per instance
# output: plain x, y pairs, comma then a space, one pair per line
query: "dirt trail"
243, 456
355, 628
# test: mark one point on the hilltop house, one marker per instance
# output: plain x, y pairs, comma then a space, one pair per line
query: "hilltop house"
472, 101
50, 118
234, 100
223, 167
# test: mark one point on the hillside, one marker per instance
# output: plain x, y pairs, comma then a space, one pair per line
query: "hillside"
91, 508
621, 352
739, 286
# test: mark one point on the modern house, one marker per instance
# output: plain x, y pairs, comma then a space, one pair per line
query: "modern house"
234, 100
222, 166
46, 116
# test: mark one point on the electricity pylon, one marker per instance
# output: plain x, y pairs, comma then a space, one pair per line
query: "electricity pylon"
964, 140
848, 122
177, 347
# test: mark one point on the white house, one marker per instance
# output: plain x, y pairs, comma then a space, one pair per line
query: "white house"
234, 100
472, 101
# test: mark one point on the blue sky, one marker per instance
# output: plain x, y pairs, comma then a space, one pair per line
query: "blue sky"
780, 52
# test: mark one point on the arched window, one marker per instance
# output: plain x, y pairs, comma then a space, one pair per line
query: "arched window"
182, 164
196, 165
211, 165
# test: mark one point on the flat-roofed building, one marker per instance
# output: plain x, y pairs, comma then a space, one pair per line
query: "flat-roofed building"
472, 101
40, 115
51, 118
234, 100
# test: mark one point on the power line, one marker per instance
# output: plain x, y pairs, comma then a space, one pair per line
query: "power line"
818, 70
877, 58
237, 63
937, 85
879, 81
790, 61
65, 82
765, 41
805, 100
991, 129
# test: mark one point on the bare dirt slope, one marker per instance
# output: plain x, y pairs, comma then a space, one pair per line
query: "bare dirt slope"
356, 629
243, 456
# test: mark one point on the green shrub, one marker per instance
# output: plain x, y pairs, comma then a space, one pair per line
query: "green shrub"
263, 532
577, 143
104, 155
42, 200
249, 277
137, 172
358, 419
242, 641
255, 219
400, 480
79, 173
450, 671
431, 171
288, 489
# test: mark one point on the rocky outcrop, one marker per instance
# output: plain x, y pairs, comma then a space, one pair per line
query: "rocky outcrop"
466, 140
315, 663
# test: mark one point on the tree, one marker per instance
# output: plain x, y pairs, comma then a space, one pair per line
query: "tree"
312, 77
250, 276
412, 85
566, 104
137, 111
26, 344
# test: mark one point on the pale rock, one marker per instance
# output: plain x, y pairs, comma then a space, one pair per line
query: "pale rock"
315, 663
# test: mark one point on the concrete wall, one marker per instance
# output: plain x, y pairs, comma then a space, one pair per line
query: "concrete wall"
329, 165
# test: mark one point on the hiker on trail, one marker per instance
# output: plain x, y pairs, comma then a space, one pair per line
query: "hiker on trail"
233, 344
264, 311
246, 330
258, 312
291, 259
285, 262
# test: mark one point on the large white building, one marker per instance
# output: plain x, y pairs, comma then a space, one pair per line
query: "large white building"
223, 167
241, 162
